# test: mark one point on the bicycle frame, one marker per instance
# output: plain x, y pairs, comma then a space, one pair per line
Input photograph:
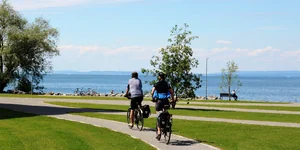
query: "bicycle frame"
168, 127
136, 112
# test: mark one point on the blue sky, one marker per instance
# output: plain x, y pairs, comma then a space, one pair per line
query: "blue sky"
123, 35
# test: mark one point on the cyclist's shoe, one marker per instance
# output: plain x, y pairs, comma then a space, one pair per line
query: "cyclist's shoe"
130, 124
158, 137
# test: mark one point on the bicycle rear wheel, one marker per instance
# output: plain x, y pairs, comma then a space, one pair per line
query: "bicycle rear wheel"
128, 118
167, 134
157, 131
139, 119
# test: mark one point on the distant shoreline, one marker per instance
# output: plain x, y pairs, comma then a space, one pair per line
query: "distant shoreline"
240, 73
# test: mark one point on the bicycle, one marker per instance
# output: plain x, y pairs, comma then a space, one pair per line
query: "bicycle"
138, 117
165, 125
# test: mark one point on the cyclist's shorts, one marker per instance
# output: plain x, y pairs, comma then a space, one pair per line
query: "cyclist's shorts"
135, 101
161, 103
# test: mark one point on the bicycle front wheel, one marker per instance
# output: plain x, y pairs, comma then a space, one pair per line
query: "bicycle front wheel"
139, 119
128, 118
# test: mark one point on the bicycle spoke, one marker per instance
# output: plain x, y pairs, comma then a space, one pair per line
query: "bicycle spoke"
168, 133
128, 118
139, 119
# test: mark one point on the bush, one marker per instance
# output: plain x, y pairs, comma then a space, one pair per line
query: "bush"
24, 85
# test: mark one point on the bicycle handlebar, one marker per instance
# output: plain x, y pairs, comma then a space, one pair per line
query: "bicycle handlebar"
155, 100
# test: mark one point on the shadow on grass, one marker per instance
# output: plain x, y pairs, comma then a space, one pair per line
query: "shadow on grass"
32, 111
8, 114
10, 111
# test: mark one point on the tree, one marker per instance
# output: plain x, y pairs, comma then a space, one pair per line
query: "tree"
230, 78
177, 61
25, 48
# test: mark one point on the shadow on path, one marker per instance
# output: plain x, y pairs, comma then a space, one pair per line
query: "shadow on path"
183, 142
43, 110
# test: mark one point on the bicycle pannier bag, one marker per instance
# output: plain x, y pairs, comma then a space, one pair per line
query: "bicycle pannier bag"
146, 111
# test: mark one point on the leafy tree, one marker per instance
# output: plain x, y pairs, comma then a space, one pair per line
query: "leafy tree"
230, 78
177, 61
24, 85
25, 48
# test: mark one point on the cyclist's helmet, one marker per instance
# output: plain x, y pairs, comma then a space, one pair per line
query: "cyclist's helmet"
162, 75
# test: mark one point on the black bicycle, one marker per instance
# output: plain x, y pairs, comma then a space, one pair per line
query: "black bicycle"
165, 124
138, 117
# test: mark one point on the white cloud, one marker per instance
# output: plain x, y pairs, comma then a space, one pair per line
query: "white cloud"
271, 28
126, 49
107, 51
262, 51
215, 53
37, 4
223, 42
83, 49
140, 56
88, 57
240, 50
218, 50
295, 53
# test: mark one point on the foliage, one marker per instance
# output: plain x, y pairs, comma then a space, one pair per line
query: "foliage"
25, 48
176, 62
24, 85
230, 78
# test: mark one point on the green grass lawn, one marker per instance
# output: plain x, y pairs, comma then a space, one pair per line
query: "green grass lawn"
239, 101
25, 131
227, 136
200, 113
287, 108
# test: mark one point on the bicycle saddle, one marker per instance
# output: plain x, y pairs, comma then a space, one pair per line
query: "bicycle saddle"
167, 106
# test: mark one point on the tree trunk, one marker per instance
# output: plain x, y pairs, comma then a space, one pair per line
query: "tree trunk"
1, 63
229, 84
1, 55
3, 84
229, 93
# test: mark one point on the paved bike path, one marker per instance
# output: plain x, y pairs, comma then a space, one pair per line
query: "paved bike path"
36, 106
124, 102
250, 122
118, 102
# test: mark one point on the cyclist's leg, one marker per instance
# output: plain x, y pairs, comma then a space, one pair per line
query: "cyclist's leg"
139, 104
159, 108
140, 101
133, 106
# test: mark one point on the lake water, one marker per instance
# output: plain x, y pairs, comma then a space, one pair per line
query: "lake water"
285, 89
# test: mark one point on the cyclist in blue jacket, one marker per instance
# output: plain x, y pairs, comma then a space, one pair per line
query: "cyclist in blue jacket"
161, 92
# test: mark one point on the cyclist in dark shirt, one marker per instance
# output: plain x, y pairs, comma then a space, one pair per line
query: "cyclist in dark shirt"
161, 89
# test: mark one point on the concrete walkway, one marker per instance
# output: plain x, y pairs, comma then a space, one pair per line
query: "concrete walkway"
250, 122
118, 102
124, 102
36, 106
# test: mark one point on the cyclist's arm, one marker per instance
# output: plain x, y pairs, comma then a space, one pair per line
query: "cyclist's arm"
127, 90
152, 92
141, 86
172, 94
